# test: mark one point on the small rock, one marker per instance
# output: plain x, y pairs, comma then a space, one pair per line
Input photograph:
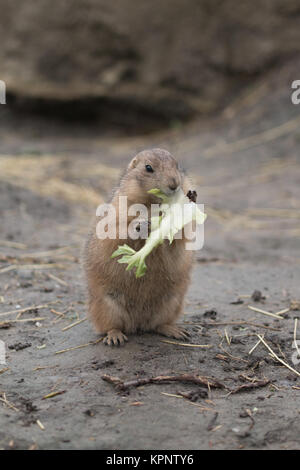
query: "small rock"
19, 346
257, 296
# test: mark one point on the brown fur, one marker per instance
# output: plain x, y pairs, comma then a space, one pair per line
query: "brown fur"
119, 303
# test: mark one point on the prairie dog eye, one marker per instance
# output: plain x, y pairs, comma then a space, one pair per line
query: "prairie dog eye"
149, 168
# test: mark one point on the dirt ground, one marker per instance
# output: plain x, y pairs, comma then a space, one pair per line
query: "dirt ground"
246, 166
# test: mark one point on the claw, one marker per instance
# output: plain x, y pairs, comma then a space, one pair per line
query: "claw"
173, 331
115, 338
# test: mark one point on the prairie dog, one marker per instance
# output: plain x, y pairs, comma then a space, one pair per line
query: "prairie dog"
120, 304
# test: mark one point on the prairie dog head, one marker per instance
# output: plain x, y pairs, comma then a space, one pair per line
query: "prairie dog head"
151, 169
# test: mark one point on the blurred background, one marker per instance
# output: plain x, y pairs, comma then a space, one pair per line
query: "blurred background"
91, 82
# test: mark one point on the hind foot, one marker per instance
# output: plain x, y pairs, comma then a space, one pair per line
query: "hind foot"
115, 338
172, 331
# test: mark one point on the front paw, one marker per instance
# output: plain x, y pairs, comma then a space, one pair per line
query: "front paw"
115, 338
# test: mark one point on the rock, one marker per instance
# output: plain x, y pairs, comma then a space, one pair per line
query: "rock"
19, 346
257, 296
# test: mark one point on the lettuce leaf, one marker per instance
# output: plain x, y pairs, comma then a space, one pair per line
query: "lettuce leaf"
177, 211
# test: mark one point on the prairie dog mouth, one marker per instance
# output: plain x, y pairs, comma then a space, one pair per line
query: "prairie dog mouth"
170, 192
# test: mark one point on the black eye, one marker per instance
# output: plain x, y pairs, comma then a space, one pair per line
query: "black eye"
149, 168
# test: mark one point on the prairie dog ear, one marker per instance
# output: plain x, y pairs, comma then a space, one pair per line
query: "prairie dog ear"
133, 163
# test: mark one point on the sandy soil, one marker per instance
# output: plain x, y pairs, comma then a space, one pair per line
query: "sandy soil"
245, 164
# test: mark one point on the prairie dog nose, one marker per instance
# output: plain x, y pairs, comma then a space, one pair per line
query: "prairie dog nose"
173, 185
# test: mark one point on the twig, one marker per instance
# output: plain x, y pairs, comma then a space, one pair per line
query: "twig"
255, 346
32, 307
255, 309
74, 324
60, 314
295, 337
249, 386
187, 400
40, 425
278, 358
171, 395
280, 350
281, 312
43, 367
196, 379
53, 394
23, 320
187, 344
235, 358
227, 337
57, 279
7, 403
80, 346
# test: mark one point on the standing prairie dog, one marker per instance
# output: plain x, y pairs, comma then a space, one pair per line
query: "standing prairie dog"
119, 303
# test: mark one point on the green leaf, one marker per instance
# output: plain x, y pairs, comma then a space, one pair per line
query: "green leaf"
159, 193
123, 250
162, 228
